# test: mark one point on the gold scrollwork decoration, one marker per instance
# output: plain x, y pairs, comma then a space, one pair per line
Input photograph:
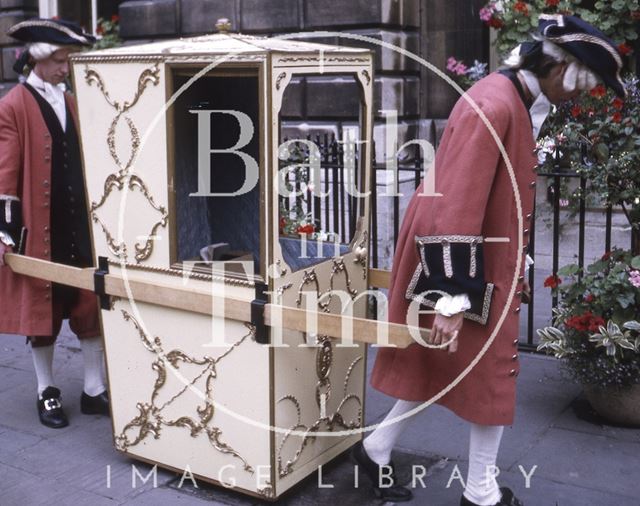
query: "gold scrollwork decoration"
118, 182
151, 419
267, 490
325, 298
279, 79
329, 422
330, 59
361, 253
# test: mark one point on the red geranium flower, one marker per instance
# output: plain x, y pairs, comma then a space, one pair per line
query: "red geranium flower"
576, 110
606, 256
496, 23
552, 3
306, 229
624, 49
115, 18
617, 103
617, 117
589, 298
599, 91
100, 30
552, 281
635, 15
521, 7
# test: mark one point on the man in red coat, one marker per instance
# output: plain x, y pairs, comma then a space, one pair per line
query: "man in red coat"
43, 213
462, 250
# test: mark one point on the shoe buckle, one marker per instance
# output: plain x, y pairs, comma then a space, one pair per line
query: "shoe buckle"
50, 404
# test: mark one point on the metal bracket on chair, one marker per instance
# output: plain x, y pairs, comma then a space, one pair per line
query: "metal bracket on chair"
98, 283
257, 314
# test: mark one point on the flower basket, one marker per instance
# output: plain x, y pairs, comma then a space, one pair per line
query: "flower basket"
620, 405
596, 331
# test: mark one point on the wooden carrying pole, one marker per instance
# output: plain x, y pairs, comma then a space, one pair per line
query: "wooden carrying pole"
199, 301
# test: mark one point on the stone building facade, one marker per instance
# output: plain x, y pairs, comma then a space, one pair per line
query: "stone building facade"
431, 29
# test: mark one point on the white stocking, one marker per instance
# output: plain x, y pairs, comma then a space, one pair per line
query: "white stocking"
93, 354
381, 441
43, 364
484, 442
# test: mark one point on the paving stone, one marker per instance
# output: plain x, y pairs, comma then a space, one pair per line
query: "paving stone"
200, 16
270, 15
13, 441
139, 19
573, 457
46, 491
572, 419
113, 477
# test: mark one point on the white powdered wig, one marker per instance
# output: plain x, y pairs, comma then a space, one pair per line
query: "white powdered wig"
42, 50
577, 76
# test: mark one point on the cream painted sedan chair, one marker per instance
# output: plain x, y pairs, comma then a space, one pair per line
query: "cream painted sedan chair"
232, 265
181, 143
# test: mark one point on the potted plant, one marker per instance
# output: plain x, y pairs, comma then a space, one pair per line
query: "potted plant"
596, 332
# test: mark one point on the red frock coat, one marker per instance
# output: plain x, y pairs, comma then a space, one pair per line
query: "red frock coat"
479, 198
25, 172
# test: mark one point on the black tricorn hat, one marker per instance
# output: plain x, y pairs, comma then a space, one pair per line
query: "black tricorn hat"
588, 44
52, 31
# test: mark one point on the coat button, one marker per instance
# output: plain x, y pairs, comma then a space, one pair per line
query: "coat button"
516, 342
47, 297
46, 252
45, 183
45, 204
532, 184
47, 286
529, 216
46, 194
520, 279
513, 372
46, 240
516, 310
46, 228
515, 357
47, 158
525, 231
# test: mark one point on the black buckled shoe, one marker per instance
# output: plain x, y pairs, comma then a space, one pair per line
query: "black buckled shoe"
50, 409
384, 485
96, 405
507, 499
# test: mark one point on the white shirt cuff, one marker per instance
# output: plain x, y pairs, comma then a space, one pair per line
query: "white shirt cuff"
6, 239
448, 305
528, 262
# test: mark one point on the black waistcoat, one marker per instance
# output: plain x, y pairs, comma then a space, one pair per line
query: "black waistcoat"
70, 239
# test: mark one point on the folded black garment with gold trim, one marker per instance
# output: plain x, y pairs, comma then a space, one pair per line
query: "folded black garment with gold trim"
451, 265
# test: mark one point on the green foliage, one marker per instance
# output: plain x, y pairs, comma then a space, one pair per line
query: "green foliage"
597, 135
514, 20
108, 32
595, 328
